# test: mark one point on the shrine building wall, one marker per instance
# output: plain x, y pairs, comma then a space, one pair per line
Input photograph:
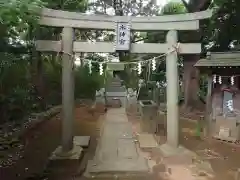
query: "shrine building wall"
217, 98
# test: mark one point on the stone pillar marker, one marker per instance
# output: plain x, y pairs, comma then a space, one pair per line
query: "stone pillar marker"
172, 92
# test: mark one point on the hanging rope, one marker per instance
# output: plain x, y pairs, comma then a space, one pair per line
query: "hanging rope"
175, 49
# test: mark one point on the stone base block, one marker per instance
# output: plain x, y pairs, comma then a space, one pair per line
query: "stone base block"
168, 151
74, 154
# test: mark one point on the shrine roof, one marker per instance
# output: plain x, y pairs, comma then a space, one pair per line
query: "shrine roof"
220, 59
215, 63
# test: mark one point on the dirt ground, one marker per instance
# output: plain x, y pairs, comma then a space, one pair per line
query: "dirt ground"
224, 157
42, 141
226, 160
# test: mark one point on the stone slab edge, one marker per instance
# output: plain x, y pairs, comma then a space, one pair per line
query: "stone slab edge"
115, 174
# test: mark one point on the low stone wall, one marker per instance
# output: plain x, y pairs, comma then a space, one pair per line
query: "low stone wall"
17, 130
11, 134
37, 118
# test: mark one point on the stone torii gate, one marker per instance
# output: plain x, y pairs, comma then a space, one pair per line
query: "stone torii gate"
70, 20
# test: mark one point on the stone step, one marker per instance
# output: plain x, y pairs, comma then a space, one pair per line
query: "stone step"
115, 89
115, 83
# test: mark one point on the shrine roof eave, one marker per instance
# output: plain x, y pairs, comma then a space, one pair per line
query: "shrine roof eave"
221, 66
220, 59
227, 63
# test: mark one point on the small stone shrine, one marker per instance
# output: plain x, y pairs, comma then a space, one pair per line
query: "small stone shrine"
223, 96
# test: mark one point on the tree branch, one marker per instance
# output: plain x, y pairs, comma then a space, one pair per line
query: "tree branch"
202, 6
186, 5
196, 5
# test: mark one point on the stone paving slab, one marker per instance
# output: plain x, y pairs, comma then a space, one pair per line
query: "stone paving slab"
116, 152
117, 111
147, 140
120, 166
116, 118
127, 153
118, 130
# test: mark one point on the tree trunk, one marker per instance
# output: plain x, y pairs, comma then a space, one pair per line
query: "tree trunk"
40, 81
36, 68
191, 74
37, 78
191, 82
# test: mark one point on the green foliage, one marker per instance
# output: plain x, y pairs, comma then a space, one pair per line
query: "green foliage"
160, 37
86, 84
53, 79
222, 34
19, 11
15, 89
173, 8
18, 16
28, 83
68, 5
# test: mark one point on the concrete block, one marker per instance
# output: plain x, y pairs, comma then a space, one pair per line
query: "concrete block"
147, 141
82, 141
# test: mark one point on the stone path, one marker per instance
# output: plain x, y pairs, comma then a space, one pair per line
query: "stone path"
117, 153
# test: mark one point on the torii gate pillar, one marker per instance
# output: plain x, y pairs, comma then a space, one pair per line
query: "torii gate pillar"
172, 92
172, 145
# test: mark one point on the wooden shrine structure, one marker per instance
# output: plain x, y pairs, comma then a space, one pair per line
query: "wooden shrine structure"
223, 94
